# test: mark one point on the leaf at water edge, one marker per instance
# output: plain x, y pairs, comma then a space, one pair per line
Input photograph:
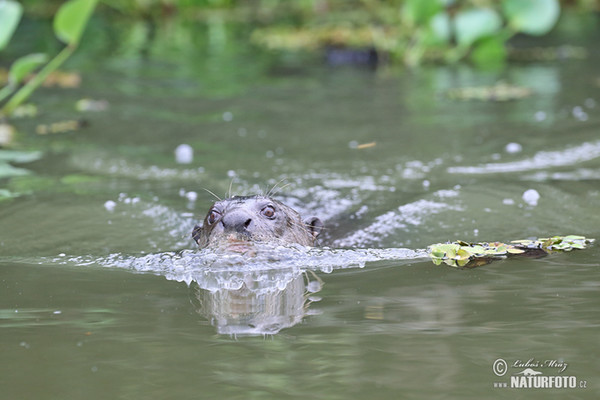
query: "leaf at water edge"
10, 15
71, 18
19, 156
7, 170
25, 65
6, 194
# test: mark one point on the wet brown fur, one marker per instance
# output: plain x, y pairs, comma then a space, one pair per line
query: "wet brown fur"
250, 225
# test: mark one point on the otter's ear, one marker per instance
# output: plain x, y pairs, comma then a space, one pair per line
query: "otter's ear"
314, 226
196, 233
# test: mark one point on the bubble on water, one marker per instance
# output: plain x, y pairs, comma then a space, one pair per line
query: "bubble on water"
313, 287
513, 148
326, 269
353, 144
508, 202
184, 154
426, 184
57, 312
191, 196
110, 205
269, 154
231, 173
24, 344
540, 116
579, 114
242, 132
227, 116
531, 197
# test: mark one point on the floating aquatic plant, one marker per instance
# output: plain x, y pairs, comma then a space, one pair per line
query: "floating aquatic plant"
464, 254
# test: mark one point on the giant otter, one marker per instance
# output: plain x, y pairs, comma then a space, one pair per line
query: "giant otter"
248, 219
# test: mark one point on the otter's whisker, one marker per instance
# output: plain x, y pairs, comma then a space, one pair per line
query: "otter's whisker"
274, 192
230, 186
270, 192
216, 197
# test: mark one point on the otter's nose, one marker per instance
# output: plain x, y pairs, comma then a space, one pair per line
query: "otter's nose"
237, 221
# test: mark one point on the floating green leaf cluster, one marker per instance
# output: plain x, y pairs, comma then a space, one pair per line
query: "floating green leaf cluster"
556, 243
463, 254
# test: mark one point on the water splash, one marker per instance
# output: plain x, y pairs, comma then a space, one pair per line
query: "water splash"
541, 160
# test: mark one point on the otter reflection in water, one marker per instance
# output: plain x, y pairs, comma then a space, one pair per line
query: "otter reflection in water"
256, 302
247, 300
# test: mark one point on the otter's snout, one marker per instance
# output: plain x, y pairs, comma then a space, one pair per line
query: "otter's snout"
237, 221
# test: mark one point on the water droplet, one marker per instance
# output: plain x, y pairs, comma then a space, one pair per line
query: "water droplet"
313, 287
110, 205
540, 116
191, 196
531, 197
513, 148
184, 154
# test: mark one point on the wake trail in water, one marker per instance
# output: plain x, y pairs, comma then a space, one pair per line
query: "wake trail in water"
205, 265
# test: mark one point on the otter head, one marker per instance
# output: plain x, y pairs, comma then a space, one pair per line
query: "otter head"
255, 219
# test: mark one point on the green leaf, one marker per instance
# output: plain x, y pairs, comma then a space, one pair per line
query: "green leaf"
440, 27
489, 52
513, 250
534, 17
71, 19
19, 156
573, 237
7, 170
10, 15
24, 66
418, 12
474, 24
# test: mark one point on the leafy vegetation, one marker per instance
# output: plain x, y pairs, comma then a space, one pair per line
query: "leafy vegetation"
413, 31
69, 24
463, 254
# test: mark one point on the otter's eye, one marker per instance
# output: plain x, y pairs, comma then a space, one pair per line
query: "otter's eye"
213, 216
268, 211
